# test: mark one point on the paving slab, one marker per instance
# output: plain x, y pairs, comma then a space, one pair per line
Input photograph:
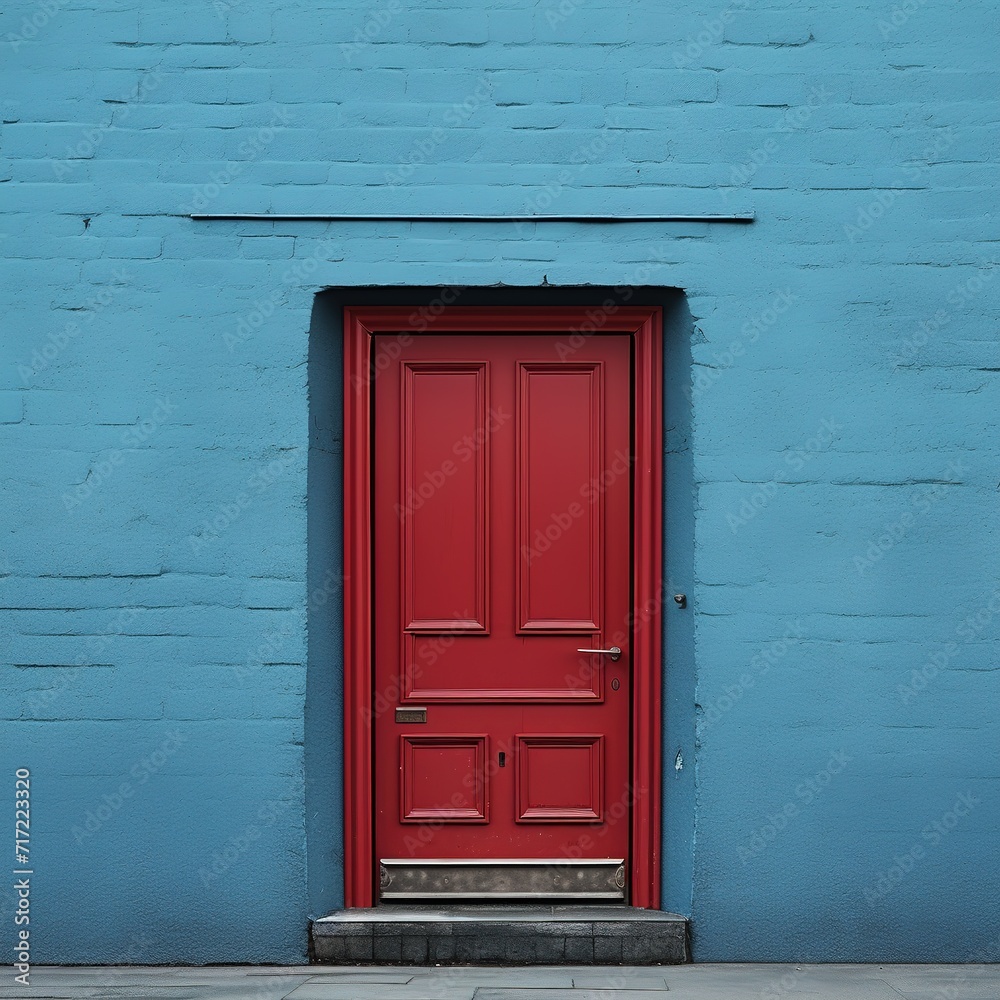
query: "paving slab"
944, 989
615, 979
354, 974
974, 982
859, 990
546, 994
352, 991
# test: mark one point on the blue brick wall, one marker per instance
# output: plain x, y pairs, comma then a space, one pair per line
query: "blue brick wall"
832, 434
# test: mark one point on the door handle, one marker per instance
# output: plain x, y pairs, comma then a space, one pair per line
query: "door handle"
614, 652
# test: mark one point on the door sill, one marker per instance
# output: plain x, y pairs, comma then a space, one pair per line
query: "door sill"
537, 879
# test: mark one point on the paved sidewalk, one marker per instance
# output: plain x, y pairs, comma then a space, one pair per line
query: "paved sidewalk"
687, 982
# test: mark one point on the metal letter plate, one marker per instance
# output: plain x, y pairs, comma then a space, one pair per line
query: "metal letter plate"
411, 714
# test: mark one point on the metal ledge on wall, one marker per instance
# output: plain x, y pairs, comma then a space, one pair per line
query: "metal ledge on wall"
283, 217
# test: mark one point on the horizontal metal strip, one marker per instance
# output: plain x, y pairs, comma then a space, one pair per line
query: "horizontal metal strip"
486, 894
502, 878
281, 217
489, 862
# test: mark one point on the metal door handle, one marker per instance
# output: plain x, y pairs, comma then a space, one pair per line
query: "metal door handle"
614, 652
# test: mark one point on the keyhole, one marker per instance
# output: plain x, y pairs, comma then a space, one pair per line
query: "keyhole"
503, 759
615, 684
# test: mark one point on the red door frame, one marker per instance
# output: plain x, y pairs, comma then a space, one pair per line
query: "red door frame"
360, 369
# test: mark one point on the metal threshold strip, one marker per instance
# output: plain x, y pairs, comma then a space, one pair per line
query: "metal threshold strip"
502, 878
417, 217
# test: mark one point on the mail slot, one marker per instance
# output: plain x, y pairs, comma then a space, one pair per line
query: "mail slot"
411, 714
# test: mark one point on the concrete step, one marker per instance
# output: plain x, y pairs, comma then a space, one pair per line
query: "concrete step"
501, 934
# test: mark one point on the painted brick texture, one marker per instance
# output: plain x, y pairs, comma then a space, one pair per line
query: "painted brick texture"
833, 788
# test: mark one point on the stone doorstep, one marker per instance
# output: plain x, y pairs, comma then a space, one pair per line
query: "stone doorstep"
505, 934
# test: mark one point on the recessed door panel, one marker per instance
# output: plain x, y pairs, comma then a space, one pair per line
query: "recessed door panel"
560, 515
444, 779
444, 498
560, 778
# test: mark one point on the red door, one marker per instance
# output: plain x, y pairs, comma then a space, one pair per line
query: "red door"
502, 497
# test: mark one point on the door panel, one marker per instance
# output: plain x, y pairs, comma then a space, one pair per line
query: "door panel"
560, 778
444, 498
444, 779
502, 497
560, 533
